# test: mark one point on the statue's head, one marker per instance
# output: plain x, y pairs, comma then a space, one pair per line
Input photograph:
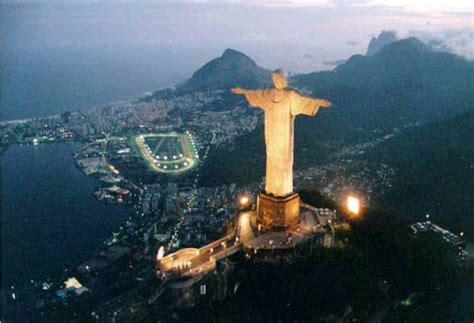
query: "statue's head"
279, 80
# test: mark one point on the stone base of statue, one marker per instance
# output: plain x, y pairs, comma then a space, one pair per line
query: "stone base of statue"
275, 213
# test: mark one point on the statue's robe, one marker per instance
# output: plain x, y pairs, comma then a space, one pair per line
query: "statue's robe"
280, 108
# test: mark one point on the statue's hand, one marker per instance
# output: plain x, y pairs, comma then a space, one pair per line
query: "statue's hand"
238, 90
325, 103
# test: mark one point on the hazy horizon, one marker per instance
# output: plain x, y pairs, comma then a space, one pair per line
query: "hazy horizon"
59, 56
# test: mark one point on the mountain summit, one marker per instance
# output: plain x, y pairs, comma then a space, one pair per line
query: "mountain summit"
230, 53
407, 46
232, 69
377, 43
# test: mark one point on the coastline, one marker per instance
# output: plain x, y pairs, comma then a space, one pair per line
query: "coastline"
77, 208
128, 100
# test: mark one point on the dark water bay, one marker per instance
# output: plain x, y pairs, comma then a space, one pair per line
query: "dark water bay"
50, 217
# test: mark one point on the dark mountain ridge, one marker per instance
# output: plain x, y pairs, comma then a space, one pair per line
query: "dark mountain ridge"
231, 69
405, 82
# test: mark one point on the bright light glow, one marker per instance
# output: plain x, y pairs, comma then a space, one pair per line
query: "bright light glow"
244, 200
353, 205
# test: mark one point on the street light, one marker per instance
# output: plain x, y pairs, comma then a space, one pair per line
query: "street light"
244, 201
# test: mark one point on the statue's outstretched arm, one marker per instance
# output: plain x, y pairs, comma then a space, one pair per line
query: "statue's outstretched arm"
256, 98
323, 103
306, 105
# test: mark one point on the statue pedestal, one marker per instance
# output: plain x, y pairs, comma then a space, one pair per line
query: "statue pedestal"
277, 212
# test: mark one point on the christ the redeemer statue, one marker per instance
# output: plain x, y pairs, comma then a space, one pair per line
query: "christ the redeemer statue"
280, 106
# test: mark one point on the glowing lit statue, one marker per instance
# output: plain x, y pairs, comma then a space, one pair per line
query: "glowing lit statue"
280, 106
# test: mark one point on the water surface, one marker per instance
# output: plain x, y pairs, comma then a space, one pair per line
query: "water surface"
50, 217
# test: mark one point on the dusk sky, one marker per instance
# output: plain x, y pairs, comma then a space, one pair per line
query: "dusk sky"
297, 35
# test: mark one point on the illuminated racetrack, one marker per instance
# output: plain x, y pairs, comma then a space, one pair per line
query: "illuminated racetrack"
171, 153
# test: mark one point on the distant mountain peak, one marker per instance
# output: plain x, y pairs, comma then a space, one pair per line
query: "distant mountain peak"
231, 69
414, 43
232, 56
404, 50
407, 45
384, 38
229, 53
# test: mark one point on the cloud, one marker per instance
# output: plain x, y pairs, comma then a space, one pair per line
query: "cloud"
349, 2
457, 41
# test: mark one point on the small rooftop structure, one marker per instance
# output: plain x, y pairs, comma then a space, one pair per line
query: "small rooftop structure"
71, 285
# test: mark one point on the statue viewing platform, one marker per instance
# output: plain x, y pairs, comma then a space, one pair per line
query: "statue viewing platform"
280, 220
194, 263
